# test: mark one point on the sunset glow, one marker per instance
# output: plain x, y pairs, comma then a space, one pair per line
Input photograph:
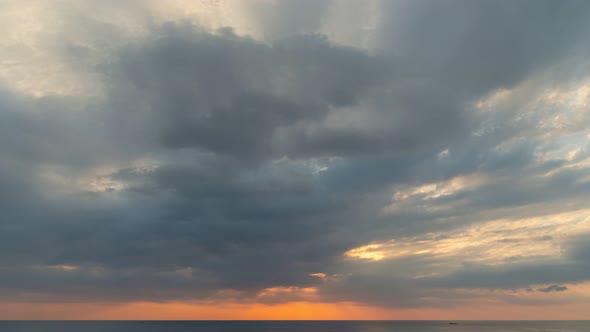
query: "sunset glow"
294, 160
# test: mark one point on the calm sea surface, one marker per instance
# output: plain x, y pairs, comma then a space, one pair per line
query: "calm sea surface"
297, 326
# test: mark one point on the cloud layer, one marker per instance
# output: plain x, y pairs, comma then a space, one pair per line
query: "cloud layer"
437, 158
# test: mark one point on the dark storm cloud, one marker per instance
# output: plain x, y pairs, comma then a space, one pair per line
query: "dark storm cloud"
257, 184
228, 94
246, 227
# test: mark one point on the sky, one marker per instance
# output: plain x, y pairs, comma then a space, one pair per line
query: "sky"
296, 159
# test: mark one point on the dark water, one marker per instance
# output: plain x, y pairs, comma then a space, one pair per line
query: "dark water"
297, 326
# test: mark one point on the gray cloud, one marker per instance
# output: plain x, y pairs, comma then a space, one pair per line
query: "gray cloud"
230, 95
477, 47
553, 288
275, 158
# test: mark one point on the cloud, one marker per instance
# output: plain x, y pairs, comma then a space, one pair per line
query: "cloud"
479, 47
233, 95
206, 164
572, 268
553, 288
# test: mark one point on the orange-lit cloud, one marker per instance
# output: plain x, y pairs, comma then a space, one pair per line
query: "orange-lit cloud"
287, 311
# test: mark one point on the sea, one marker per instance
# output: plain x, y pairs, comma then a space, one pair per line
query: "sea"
294, 326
